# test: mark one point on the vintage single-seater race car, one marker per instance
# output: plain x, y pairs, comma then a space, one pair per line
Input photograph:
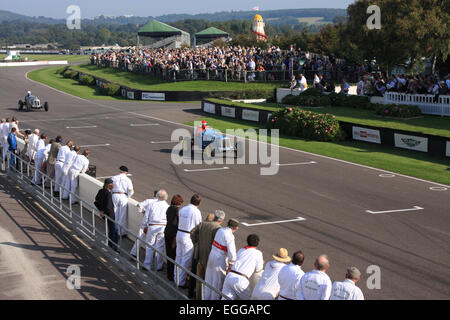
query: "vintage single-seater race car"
211, 143
31, 102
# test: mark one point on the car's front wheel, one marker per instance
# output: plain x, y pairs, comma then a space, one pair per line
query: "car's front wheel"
20, 105
46, 106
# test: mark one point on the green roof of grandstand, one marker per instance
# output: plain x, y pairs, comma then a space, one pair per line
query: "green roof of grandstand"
156, 28
212, 32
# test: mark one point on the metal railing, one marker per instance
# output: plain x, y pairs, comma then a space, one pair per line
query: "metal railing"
226, 74
428, 103
84, 219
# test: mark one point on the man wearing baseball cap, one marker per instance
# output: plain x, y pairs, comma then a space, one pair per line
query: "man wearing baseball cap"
121, 193
268, 287
347, 289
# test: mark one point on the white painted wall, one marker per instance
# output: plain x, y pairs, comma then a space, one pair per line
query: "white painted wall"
32, 63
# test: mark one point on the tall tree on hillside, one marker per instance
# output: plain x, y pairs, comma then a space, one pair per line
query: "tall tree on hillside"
409, 31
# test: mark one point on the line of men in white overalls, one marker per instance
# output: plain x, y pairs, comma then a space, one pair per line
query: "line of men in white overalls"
230, 272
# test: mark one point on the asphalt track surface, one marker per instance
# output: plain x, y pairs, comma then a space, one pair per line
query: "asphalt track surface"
411, 248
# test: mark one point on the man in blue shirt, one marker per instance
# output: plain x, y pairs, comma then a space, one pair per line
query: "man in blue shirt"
12, 142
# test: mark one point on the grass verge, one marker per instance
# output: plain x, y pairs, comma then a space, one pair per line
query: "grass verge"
50, 77
401, 161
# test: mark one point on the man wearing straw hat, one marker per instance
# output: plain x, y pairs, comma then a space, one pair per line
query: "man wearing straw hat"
268, 287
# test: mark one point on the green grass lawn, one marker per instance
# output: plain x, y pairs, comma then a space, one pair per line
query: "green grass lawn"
428, 124
145, 82
52, 57
401, 161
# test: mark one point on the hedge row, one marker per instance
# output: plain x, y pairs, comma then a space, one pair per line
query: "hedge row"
268, 94
87, 80
314, 98
70, 74
296, 122
399, 111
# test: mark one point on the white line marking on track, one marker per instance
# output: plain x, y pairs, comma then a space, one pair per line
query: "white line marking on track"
96, 145
416, 208
386, 175
438, 188
295, 164
143, 124
210, 169
81, 127
273, 222
128, 175
153, 142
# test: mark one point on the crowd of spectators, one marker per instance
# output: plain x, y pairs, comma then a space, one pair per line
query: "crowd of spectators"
238, 63
377, 85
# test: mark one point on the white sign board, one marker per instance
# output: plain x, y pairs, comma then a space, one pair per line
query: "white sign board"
155, 96
228, 112
411, 142
209, 107
368, 135
447, 151
250, 115
130, 95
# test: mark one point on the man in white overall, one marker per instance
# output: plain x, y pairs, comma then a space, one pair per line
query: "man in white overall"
79, 166
289, 277
70, 157
143, 206
268, 287
155, 223
189, 217
32, 142
59, 163
221, 258
121, 193
347, 289
316, 284
249, 261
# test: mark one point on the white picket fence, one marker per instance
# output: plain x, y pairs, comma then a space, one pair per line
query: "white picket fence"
426, 102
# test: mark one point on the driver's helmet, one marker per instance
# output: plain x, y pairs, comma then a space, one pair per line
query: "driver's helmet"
29, 93
204, 124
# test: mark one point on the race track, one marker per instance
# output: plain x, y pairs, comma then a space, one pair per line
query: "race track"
350, 212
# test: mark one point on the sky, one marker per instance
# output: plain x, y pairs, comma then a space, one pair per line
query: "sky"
144, 8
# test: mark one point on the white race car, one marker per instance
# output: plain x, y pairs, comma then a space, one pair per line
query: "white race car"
31, 102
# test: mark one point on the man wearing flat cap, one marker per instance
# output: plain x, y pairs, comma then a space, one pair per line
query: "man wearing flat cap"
104, 203
121, 193
221, 258
347, 289
268, 287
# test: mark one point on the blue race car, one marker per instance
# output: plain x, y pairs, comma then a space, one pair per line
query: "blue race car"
211, 143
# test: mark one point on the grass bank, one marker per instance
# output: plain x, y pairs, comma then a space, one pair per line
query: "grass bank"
396, 160
50, 77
